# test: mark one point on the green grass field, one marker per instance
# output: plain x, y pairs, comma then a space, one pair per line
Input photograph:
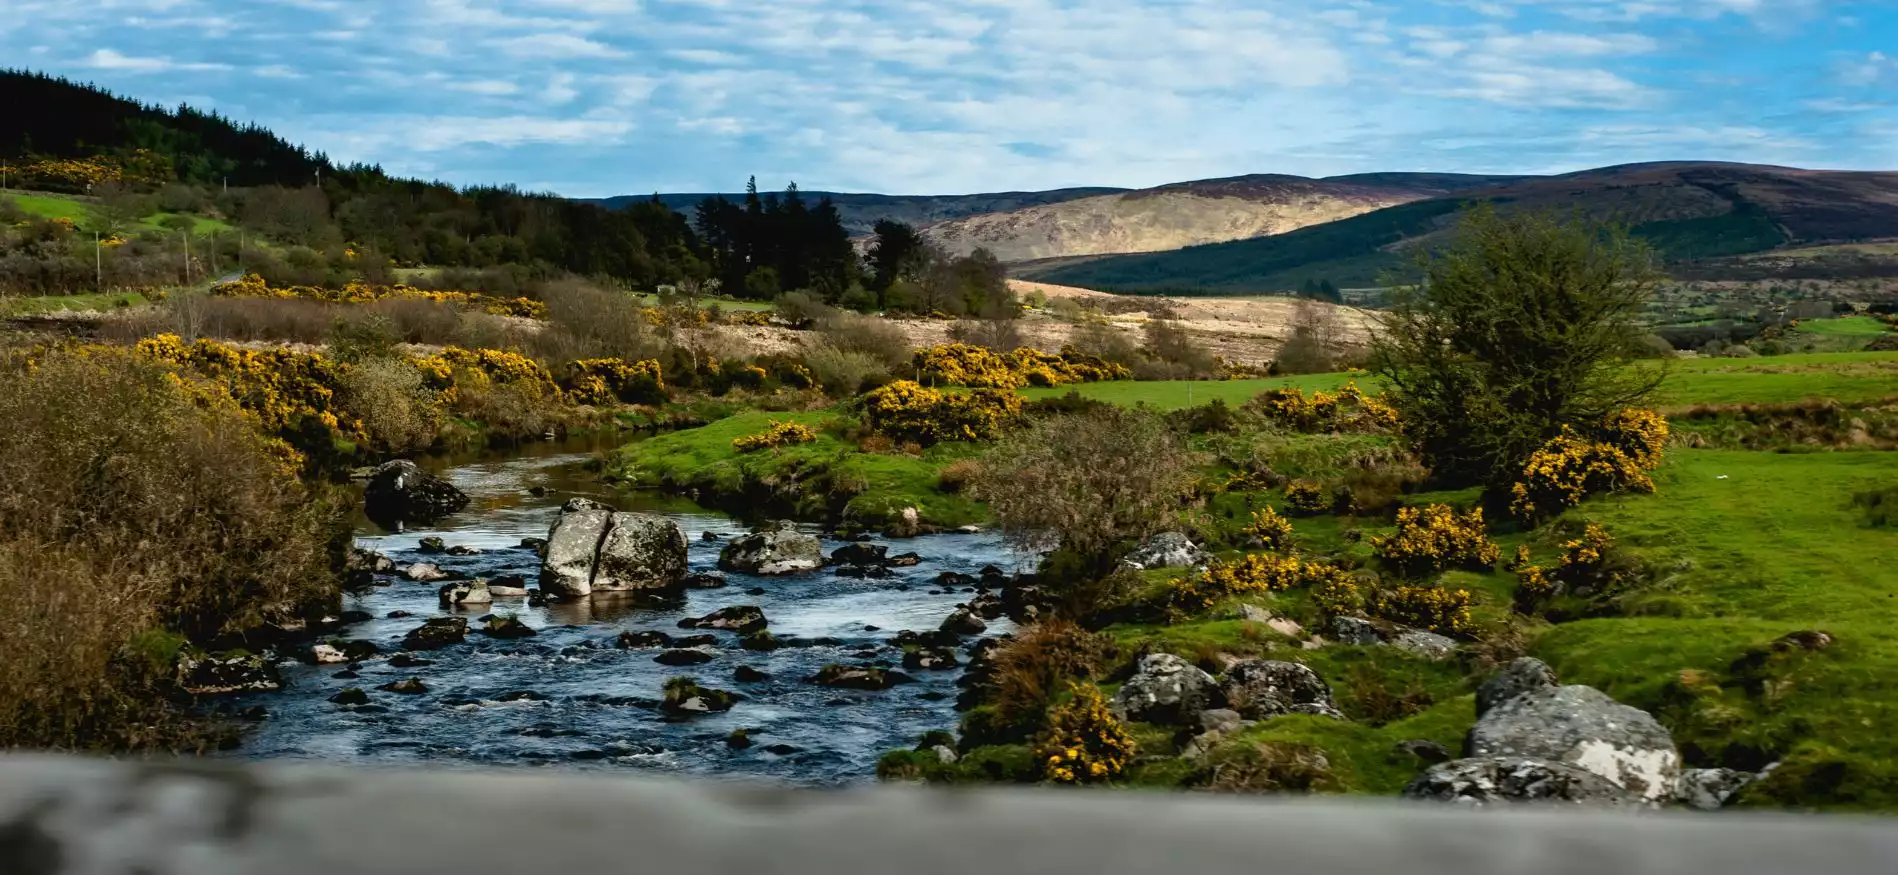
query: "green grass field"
1849, 326
82, 213
55, 303
1848, 377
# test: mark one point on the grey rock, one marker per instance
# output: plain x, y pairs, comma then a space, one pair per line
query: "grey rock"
1166, 550
1487, 781
1428, 645
1260, 689
860, 554
436, 633
964, 622
1166, 690
1525, 675
593, 549
930, 659
464, 550
425, 572
743, 619
1424, 749
1219, 720
216, 676
944, 754
1709, 789
470, 594
399, 492
324, 654
1355, 631
508, 628
370, 561
1583, 727
431, 545
776, 549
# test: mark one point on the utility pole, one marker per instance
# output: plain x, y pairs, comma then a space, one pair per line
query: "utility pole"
98, 265
187, 241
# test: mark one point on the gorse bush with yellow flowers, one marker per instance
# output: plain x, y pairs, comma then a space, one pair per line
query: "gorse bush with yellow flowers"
1268, 530
1572, 467
609, 380
1306, 498
1085, 743
1250, 574
281, 387
358, 292
907, 411
976, 367
1349, 409
780, 433
1590, 565
1436, 538
1438, 609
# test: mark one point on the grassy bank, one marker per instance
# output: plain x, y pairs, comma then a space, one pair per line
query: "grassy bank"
832, 478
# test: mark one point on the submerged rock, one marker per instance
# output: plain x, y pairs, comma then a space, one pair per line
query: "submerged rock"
686, 656
593, 549
775, 549
436, 633
509, 628
860, 554
351, 696
685, 697
400, 492
743, 619
409, 687
642, 640
859, 677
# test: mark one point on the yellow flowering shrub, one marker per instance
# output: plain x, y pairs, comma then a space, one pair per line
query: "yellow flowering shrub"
1306, 498
1249, 574
1440, 610
1436, 538
1271, 531
1084, 743
780, 434
608, 381
358, 292
1348, 409
961, 364
1588, 564
280, 386
498, 366
906, 410
1568, 469
1334, 593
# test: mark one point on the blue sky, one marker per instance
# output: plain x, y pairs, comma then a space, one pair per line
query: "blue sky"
602, 97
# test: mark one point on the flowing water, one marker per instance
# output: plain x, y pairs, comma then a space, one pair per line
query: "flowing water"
568, 698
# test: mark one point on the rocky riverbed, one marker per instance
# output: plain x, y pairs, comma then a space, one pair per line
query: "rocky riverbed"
586, 687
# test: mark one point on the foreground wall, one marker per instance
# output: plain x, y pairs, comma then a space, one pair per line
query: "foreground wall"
78, 816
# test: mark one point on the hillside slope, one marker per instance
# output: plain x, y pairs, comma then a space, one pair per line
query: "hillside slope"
1189, 214
1690, 211
861, 212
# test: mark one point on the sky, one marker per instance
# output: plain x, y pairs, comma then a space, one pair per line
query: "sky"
592, 98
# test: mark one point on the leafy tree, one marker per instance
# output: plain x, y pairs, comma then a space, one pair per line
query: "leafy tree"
898, 252
1521, 326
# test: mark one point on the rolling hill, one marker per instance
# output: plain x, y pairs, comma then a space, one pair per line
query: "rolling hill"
1692, 212
861, 212
1189, 214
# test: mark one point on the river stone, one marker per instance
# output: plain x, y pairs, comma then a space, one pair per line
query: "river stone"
592, 549
859, 677
409, 687
436, 633
431, 545
425, 572
1525, 675
905, 560
930, 659
1261, 689
1483, 781
642, 640
369, 560
686, 656
964, 622
1166, 550
704, 580
775, 549
508, 586
327, 654
1166, 690
1583, 727
1709, 789
351, 696
507, 628
470, 594
743, 619
860, 554
214, 676
400, 492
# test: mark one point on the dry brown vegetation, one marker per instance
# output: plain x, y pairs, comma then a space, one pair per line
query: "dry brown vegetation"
136, 515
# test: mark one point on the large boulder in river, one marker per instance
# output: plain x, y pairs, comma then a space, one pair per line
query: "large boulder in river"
1260, 689
1485, 781
1166, 550
593, 549
778, 548
1166, 690
1582, 727
401, 492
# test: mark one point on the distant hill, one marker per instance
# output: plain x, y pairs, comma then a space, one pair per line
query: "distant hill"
1190, 213
861, 212
1691, 211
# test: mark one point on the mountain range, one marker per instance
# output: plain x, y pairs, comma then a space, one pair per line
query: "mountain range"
1269, 232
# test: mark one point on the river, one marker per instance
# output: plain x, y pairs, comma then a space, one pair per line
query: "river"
568, 698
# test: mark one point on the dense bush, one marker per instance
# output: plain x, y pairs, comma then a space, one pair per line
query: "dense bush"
399, 414
1306, 498
906, 411
1347, 410
1085, 743
1436, 538
1268, 531
137, 506
609, 381
845, 372
1435, 608
1590, 566
1615, 458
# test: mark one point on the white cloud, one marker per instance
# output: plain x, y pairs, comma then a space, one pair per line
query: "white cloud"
109, 59
555, 46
